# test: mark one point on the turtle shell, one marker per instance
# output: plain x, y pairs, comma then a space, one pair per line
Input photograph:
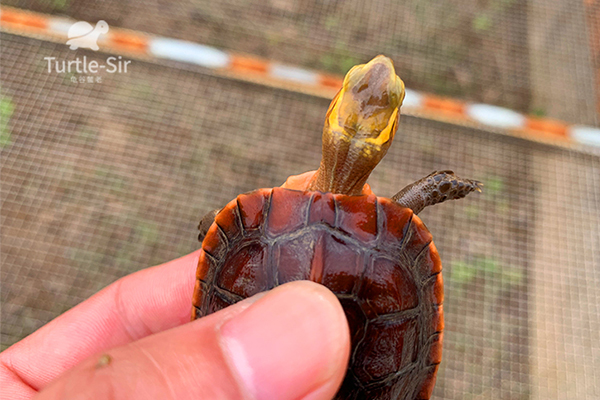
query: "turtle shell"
376, 256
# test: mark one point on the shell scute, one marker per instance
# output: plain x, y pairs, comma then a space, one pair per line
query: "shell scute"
388, 288
394, 221
293, 258
428, 263
217, 303
215, 242
435, 348
252, 208
357, 319
336, 265
376, 256
357, 216
205, 266
428, 383
322, 209
393, 349
437, 319
244, 271
287, 211
229, 217
417, 238
433, 290
199, 291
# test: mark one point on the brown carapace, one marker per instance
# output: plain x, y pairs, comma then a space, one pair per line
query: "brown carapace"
374, 253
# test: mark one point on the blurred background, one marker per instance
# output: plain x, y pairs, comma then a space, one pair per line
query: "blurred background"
103, 178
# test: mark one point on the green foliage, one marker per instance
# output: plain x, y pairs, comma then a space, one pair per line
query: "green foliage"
482, 23
273, 38
148, 232
488, 269
88, 135
338, 64
441, 83
106, 175
67, 77
494, 185
463, 272
489, 266
512, 276
60, 5
332, 23
472, 211
6, 111
503, 206
339, 60
538, 112
143, 91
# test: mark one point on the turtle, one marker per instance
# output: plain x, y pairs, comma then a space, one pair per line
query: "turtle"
82, 34
374, 253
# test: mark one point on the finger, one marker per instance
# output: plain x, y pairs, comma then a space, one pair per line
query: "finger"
135, 306
289, 343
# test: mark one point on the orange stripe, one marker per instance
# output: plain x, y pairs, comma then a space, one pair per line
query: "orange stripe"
546, 126
23, 19
248, 64
331, 81
444, 105
129, 41
138, 42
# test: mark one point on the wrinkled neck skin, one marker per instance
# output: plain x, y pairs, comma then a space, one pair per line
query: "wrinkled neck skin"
346, 163
359, 128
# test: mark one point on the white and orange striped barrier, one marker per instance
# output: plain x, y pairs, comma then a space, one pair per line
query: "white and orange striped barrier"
248, 68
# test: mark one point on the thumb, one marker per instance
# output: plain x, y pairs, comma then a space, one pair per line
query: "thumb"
290, 343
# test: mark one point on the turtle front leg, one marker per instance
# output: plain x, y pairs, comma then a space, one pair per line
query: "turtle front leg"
205, 224
435, 188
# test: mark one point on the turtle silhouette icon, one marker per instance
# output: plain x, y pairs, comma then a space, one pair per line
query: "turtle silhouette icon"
83, 34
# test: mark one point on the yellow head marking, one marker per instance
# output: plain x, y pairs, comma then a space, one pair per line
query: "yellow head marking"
367, 107
359, 127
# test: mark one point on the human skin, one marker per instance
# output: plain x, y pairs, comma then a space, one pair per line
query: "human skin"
133, 340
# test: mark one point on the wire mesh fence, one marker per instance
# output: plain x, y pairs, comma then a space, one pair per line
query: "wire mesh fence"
105, 177
529, 55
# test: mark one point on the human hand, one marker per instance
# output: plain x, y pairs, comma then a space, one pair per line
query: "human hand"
131, 341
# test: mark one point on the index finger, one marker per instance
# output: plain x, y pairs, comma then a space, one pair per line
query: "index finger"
138, 305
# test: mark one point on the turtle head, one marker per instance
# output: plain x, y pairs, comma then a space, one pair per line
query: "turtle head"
359, 127
367, 107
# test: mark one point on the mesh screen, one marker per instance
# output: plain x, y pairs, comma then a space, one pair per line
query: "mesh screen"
529, 55
103, 179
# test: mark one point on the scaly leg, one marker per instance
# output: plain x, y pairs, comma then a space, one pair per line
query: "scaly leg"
435, 188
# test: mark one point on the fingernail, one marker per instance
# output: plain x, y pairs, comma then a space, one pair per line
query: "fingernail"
289, 343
